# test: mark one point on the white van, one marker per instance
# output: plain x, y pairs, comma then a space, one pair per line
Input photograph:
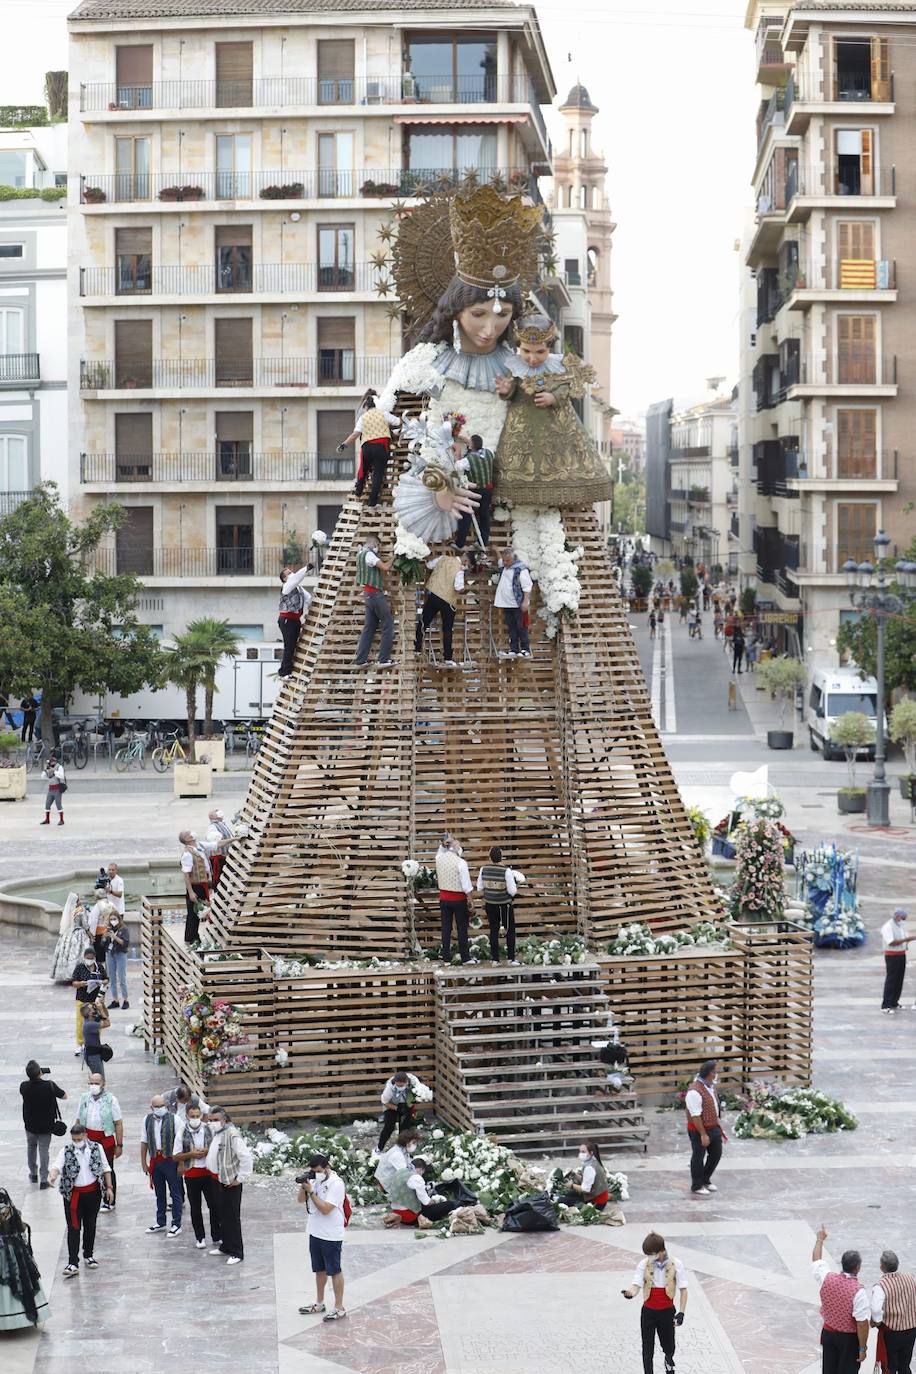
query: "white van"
832, 693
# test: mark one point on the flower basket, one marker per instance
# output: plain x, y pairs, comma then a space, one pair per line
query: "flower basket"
293, 190
169, 193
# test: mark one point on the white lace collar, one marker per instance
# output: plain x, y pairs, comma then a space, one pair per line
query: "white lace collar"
476, 371
552, 365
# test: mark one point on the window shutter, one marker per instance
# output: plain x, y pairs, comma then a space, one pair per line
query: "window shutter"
133, 352
867, 186
856, 361
134, 65
234, 73
333, 425
880, 70
134, 542
234, 364
233, 236
234, 426
337, 332
327, 518
856, 443
134, 435
855, 530
856, 252
133, 241
336, 59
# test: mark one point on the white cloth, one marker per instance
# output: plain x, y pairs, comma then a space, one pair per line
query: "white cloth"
372, 558
861, 1306
85, 1178
658, 1272
292, 582
694, 1100
330, 1225
94, 1113
511, 884
116, 893
877, 1303
459, 575
504, 598
894, 930
393, 422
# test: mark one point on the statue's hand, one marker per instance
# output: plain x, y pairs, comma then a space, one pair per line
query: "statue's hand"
463, 502
503, 385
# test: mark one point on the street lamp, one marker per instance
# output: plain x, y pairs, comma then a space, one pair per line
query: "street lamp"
868, 591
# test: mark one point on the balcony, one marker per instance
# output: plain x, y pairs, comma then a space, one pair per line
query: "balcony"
177, 562
771, 63
177, 469
691, 451
19, 369
804, 194
734, 527
733, 455
331, 368
698, 496
770, 116
850, 281
803, 103
777, 465
207, 280
12, 500
864, 376
167, 189
848, 474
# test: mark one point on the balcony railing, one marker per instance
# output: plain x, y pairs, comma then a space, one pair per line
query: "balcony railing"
856, 88
207, 279
19, 367
771, 113
256, 561
735, 525
375, 183
237, 466
12, 500
880, 183
859, 368
333, 367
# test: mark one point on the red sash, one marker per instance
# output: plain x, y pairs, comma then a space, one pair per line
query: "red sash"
199, 1171
446, 896
75, 1202
107, 1142
217, 860
658, 1300
408, 1217
600, 1200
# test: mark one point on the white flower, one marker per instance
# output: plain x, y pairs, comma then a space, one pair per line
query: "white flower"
319, 539
422, 1093
501, 513
408, 545
282, 1057
410, 868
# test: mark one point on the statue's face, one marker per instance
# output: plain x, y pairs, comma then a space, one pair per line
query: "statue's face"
481, 328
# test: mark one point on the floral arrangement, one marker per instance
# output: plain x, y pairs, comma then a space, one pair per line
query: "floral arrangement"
213, 1032
758, 891
295, 968
495, 1174
638, 939
699, 824
540, 541
456, 420
777, 1113
276, 1154
410, 554
419, 876
556, 950
318, 539
827, 880
414, 373
839, 930
746, 809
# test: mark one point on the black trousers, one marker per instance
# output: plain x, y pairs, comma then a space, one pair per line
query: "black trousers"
484, 514
289, 632
28, 727
198, 1187
462, 916
87, 1213
515, 628
192, 920
401, 1116
433, 606
98, 944
375, 461
737, 656
657, 1322
229, 1218
578, 1200
899, 1345
839, 1352
501, 914
894, 971
704, 1158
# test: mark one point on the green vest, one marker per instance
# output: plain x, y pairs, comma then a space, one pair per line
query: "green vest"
600, 1184
367, 576
399, 1195
480, 467
494, 883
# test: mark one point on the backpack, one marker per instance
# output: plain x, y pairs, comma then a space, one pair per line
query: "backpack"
347, 1210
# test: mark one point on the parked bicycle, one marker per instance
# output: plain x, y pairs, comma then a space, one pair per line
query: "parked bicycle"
134, 752
167, 754
254, 736
35, 753
74, 748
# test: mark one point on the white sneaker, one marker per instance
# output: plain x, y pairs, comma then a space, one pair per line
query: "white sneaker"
525, 653
217, 1250
700, 1192
157, 1227
385, 663
70, 1270
174, 1230
234, 1259
450, 663
200, 1245
711, 1188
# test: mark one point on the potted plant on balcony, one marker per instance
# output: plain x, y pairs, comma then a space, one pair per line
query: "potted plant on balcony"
781, 677
93, 195
12, 769
169, 193
853, 730
190, 193
902, 730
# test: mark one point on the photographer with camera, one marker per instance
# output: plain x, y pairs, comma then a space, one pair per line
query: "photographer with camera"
95, 1020
39, 1113
324, 1195
90, 979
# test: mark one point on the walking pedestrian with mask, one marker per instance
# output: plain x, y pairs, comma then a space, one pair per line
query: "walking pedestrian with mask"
704, 1129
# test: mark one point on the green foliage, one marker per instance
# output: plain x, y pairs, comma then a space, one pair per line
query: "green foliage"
776, 1113
902, 729
22, 116
642, 579
630, 503
10, 744
293, 549
214, 641
64, 625
860, 640
781, 677
854, 730
748, 601
689, 583
32, 193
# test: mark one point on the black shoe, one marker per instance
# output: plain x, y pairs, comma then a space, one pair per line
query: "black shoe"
124, 1006
43, 1185
33, 1178
113, 1004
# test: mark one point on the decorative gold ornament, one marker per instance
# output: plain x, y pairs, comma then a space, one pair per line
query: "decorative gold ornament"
536, 330
495, 241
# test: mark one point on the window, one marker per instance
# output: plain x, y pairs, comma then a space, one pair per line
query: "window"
133, 261
453, 70
857, 269
855, 531
452, 149
583, 142
233, 349
134, 71
571, 268
336, 350
15, 168
14, 462
574, 338
856, 349
12, 250
132, 181
335, 71
861, 69
133, 353
134, 542
332, 426
583, 197
233, 257
233, 166
335, 164
234, 539
856, 443
335, 257
12, 330
854, 171
327, 518
246, 631
234, 443
234, 71
133, 447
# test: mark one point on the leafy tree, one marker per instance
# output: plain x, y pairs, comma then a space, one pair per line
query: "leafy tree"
642, 579
56, 95
854, 731
215, 641
689, 583
748, 601
63, 624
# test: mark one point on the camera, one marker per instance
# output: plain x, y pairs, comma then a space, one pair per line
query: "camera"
44, 1070
307, 1177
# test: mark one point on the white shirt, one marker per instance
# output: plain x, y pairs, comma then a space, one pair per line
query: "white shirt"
116, 893
85, 1178
181, 1114
92, 916
694, 1100
94, 1113
391, 1161
187, 858
861, 1307
157, 1133
658, 1272
511, 885
504, 598
417, 1184
390, 1092
197, 1142
57, 775
459, 575
588, 1177
894, 930
372, 558
328, 1226
246, 1163
393, 421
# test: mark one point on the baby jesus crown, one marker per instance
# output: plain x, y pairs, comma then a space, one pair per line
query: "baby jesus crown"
536, 330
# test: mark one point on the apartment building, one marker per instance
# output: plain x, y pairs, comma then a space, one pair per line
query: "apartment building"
697, 481
834, 257
232, 165
629, 438
33, 311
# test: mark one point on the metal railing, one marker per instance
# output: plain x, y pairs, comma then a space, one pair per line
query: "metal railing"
860, 368
771, 113
237, 466
880, 183
207, 279
12, 500
336, 367
122, 188
19, 367
254, 561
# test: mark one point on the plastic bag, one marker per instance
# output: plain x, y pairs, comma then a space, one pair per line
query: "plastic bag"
457, 1191
535, 1213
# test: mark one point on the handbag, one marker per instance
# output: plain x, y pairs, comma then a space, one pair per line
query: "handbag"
58, 1125
106, 1053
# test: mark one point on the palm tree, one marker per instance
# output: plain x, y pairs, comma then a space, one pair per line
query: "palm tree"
185, 668
214, 641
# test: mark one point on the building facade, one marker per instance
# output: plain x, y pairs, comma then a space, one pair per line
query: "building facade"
33, 311
700, 485
230, 175
834, 257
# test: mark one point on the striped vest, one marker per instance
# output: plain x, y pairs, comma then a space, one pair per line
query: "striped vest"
899, 1301
448, 874
710, 1114
480, 467
375, 426
494, 884
366, 575
441, 580
837, 1294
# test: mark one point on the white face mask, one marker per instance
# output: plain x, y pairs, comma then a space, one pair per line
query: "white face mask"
95, 1089
583, 1155
82, 1145
194, 1122
158, 1111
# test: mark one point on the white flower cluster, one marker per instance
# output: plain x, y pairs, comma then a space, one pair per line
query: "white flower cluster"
410, 868
281, 1058
421, 1092
540, 541
319, 539
638, 939
407, 545
414, 373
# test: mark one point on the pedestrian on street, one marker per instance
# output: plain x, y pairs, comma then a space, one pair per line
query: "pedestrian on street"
157, 1159
89, 980
116, 947
324, 1194
56, 786
100, 1112
29, 707
376, 607
115, 888
737, 648
653, 623
750, 654
704, 1129
95, 1020
198, 875
845, 1310
893, 1311
39, 1113
194, 1139
97, 924
658, 1277
896, 939
229, 1161
84, 1178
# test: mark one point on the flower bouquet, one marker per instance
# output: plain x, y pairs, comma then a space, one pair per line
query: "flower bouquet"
778, 1113
213, 1032
419, 876
410, 554
827, 882
637, 940
758, 892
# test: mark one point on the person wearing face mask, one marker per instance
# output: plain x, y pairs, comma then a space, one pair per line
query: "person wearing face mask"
88, 978
157, 1159
195, 1138
398, 1157
179, 1101
198, 875
704, 1129
229, 1161
593, 1186
84, 1175
411, 1201
455, 891
324, 1194
116, 946
658, 1277
95, 1020
100, 1112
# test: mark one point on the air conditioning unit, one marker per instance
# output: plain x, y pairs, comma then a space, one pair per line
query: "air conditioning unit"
374, 92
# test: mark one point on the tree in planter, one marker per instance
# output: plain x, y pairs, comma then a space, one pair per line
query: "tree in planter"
642, 579
689, 584
215, 641
185, 669
854, 731
781, 677
902, 730
748, 601
65, 626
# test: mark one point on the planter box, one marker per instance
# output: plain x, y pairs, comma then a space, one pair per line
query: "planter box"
193, 780
780, 739
851, 803
12, 784
211, 751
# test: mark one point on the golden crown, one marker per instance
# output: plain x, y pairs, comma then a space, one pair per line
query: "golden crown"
535, 330
495, 240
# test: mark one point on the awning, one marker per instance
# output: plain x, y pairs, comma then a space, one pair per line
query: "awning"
461, 119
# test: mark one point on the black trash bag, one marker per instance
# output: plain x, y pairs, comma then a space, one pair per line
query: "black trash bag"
457, 1192
535, 1213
